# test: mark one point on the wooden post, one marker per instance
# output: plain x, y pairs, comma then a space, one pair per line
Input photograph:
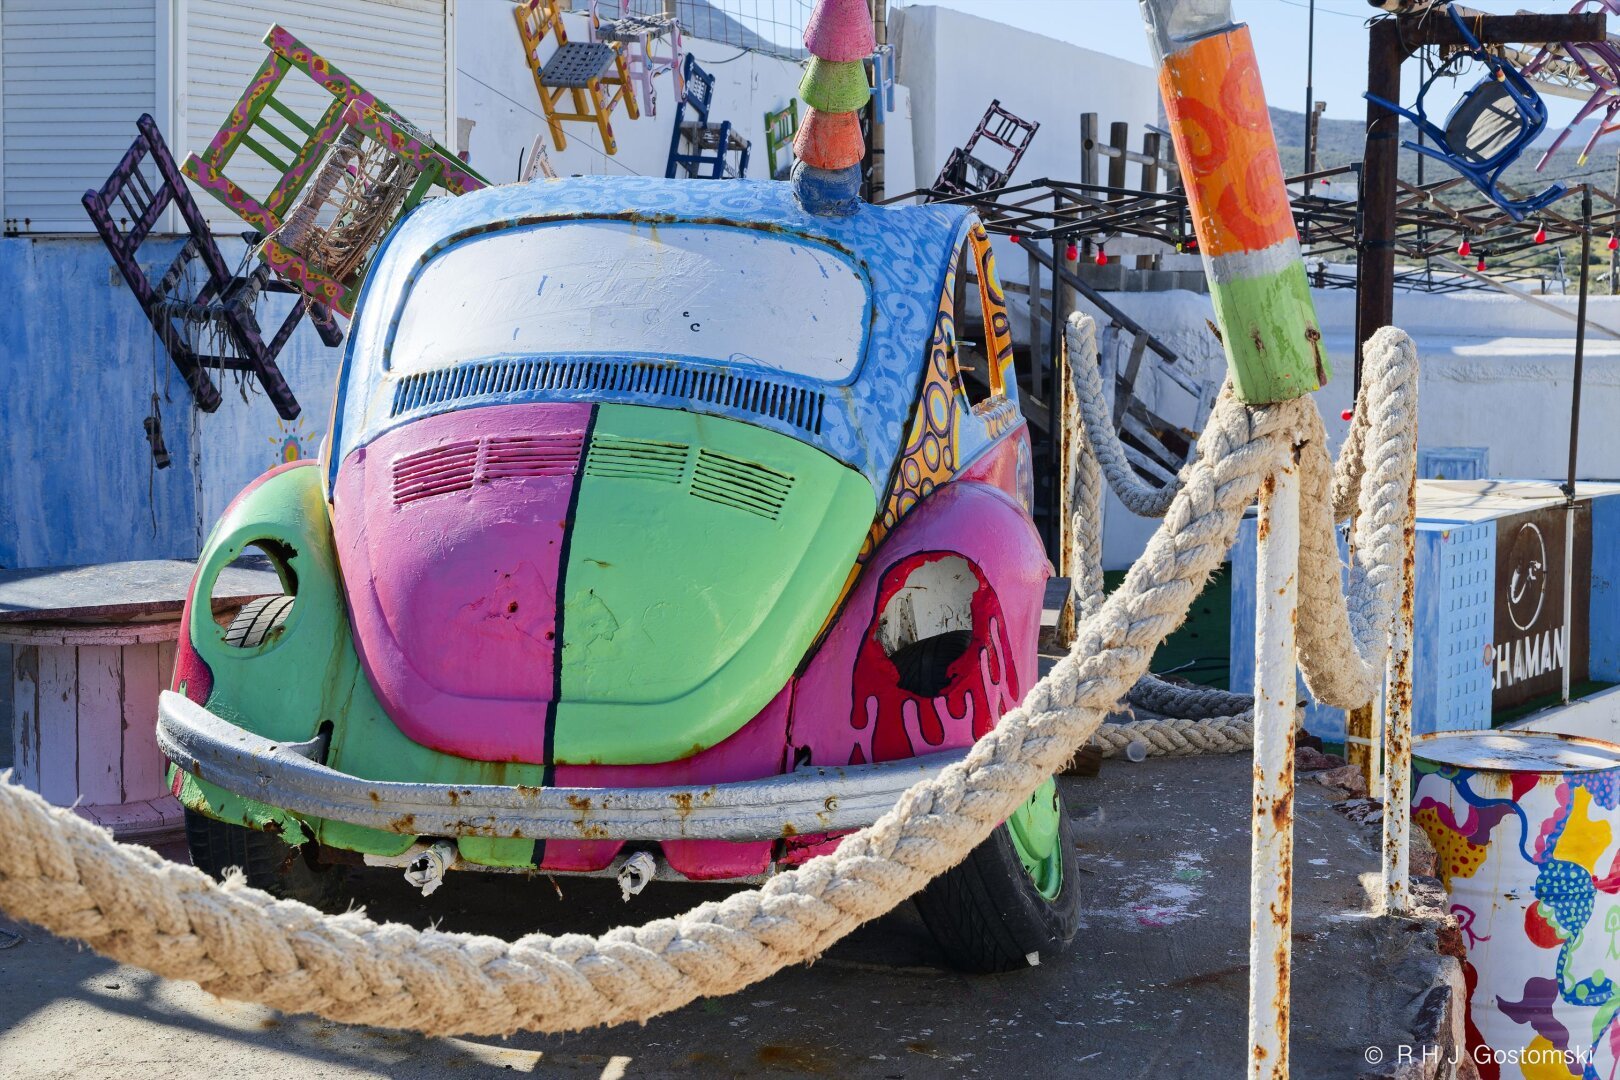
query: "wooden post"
1375, 256
880, 30
1150, 182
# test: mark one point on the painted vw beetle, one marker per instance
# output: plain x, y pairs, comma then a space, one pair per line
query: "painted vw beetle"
659, 533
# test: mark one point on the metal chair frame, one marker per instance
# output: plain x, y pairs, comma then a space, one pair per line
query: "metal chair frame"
965, 174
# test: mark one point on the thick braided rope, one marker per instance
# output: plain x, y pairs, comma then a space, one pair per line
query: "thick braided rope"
71, 878
1177, 737
1343, 643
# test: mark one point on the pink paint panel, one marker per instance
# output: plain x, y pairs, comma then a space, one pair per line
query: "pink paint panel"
450, 531
989, 529
579, 856
754, 752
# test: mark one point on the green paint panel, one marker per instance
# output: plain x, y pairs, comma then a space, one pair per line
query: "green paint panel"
704, 558
1273, 342
832, 87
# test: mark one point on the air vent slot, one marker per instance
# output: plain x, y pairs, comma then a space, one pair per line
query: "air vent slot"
507, 456
740, 484
615, 379
637, 459
459, 466
438, 471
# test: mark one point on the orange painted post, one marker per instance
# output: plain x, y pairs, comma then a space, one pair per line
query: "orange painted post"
1217, 110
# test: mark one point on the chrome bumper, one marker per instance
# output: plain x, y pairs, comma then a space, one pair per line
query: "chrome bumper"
810, 800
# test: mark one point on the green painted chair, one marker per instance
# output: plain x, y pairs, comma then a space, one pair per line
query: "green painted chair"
344, 177
780, 128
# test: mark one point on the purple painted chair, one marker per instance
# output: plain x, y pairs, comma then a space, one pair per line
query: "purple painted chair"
1599, 61
225, 302
637, 33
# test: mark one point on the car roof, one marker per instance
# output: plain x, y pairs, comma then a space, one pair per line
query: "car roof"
905, 251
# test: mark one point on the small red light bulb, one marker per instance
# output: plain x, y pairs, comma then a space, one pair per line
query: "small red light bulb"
1072, 252
1347, 414
1102, 257
1481, 264
1541, 234
1613, 243
1465, 249
1013, 237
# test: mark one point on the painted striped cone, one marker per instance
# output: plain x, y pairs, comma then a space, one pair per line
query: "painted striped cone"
829, 141
834, 87
840, 30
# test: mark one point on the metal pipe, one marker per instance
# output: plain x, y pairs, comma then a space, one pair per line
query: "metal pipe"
1398, 729
1271, 851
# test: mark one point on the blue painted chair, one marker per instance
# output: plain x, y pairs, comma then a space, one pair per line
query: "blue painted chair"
708, 146
1488, 129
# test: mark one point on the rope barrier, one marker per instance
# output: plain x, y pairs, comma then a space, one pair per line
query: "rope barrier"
1343, 642
69, 877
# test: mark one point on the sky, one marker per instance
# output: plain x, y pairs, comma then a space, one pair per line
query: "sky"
1279, 28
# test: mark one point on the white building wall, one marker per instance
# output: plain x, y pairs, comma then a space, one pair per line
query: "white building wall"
1495, 372
496, 90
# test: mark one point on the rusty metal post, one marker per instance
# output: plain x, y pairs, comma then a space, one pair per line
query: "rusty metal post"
1398, 729
1271, 850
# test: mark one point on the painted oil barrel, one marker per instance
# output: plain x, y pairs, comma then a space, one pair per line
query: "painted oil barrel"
1527, 829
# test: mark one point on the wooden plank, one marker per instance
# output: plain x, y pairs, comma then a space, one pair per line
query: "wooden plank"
101, 723
143, 762
59, 724
109, 592
25, 715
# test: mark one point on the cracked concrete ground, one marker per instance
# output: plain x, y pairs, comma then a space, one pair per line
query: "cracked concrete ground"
1154, 986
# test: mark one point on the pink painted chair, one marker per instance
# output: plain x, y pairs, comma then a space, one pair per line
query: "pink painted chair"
638, 34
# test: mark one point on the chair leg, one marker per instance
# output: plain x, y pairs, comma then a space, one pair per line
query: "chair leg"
631, 109
549, 100
600, 108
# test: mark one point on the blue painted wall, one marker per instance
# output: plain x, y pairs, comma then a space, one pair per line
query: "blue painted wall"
78, 367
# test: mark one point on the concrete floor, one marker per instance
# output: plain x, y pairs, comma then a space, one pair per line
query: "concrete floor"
1154, 986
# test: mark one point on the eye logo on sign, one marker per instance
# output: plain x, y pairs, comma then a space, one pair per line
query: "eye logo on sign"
1527, 588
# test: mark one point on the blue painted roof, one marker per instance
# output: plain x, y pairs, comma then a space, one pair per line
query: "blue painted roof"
905, 252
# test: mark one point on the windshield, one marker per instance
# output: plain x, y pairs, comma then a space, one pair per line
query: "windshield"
705, 292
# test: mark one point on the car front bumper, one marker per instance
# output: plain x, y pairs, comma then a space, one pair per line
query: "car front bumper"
812, 800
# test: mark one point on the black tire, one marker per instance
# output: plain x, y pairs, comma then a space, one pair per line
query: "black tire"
267, 861
986, 914
257, 620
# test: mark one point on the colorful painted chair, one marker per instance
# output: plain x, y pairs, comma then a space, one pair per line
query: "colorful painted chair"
882, 81
1488, 129
709, 146
221, 311
368, 164
966, 174
637, 34
780, 128
580, 69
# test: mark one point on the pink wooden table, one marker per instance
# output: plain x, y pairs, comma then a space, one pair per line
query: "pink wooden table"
91, 648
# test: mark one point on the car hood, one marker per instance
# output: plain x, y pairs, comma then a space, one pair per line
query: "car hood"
572, 583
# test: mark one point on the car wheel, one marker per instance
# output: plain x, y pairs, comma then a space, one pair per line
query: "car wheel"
1014, 900
267, 861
